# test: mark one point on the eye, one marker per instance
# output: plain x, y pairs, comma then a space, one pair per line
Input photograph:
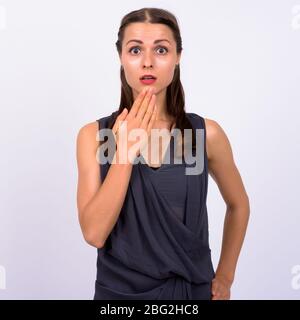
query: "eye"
137, 47
130, 50
163, 48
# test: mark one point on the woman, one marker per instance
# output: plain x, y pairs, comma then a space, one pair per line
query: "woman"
149, 223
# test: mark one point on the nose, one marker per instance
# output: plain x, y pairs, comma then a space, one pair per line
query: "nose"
148, 61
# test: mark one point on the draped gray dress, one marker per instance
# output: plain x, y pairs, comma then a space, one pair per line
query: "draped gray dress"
159, 246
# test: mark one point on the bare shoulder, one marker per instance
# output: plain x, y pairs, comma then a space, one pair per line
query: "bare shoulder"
87, 143
222, 167
88, 133
91, 127
217, 142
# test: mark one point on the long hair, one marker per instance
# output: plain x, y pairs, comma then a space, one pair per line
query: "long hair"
174, 94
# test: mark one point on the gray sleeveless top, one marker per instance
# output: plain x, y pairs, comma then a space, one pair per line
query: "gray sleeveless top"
159, 246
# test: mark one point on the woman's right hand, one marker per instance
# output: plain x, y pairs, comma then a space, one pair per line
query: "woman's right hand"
141, 116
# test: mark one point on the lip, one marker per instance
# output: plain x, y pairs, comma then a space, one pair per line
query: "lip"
147, 81
147, 75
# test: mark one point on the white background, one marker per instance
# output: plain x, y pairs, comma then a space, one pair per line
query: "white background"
59, 70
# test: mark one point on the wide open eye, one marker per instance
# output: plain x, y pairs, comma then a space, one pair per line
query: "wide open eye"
130, 50
163, 48
137, 47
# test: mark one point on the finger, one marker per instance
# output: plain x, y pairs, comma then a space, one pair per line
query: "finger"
121, 117
224, 293
137, 103
217, 296
221, 295
227, 297
149, 112
214, 288
152, 119
223, 290
143, 108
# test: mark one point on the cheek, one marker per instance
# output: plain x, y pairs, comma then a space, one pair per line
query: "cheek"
131, 68
166, 71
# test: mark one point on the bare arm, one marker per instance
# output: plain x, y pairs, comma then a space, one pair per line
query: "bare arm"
226, 175
99, 204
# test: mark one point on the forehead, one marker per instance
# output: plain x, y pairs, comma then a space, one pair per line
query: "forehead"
147, 32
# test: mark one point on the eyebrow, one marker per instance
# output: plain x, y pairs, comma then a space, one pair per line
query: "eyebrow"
139, 41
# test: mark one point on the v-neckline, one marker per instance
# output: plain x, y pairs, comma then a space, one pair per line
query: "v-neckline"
168, 149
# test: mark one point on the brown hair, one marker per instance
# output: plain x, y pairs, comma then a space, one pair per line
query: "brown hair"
175, 93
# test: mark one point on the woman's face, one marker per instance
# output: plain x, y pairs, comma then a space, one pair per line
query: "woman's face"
147, 57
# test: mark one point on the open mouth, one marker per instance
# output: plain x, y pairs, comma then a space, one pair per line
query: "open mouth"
147, 79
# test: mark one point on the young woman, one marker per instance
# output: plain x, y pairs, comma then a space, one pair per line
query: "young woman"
149, 222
